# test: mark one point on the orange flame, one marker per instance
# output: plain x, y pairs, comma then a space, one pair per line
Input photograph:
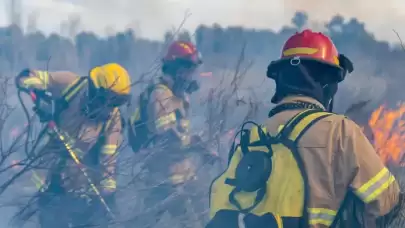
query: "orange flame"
388, 128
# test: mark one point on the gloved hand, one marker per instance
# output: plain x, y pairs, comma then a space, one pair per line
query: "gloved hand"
108, 186
22, 74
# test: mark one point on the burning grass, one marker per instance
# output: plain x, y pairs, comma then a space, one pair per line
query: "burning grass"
388, 127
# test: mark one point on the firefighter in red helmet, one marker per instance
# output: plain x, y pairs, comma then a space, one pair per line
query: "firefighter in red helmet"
320, 161
161, 124
167, 101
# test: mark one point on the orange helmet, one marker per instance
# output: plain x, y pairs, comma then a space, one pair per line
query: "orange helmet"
183, 51
311, 46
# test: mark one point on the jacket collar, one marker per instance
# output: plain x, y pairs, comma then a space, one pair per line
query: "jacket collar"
303, 98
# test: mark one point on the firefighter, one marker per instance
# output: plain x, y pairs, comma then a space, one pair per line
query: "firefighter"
82, 137
161, 122
300, 166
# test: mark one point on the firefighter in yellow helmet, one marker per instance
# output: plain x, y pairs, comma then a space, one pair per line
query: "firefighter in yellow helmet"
297, 169
82, 137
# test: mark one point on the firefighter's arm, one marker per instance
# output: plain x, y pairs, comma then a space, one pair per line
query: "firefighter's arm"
163, 108
30, 79
109, 153
369, 178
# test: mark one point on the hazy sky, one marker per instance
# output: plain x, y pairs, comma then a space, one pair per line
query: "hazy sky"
152, 17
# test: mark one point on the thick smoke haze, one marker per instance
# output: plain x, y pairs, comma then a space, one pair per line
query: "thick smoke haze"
152, 17
378, 74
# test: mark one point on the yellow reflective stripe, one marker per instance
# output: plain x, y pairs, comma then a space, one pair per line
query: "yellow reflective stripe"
162, 86
280, 128
375, 186
109, 183
305, 122
135, 117
73, 92
300, 51
112, 116
165, 120
37, 181
32, 81
321, 216
109, 149
69, 143
70, 86
44, 77
297, 129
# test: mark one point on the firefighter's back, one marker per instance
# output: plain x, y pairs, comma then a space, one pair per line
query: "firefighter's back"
339, 160
317, 158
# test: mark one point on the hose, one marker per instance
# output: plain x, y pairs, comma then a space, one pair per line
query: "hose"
81, 167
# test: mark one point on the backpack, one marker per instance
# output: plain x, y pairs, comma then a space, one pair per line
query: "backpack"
265, 180
138, 132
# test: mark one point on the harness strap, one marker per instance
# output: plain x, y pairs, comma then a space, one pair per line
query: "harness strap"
290, 135
71, 91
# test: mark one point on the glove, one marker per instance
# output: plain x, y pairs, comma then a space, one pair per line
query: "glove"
108, 186
22, 74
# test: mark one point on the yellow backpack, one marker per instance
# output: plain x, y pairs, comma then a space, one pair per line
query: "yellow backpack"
265, 183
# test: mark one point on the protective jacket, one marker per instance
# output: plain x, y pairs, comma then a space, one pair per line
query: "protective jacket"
93, 141
306, 186
162, 121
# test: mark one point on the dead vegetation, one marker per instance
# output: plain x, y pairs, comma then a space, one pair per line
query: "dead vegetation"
235, 93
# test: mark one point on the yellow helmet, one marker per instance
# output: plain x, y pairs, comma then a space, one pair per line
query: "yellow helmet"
112, 77
112, 84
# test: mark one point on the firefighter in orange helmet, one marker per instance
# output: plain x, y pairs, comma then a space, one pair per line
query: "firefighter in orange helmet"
162, 122
319, 160
80, 142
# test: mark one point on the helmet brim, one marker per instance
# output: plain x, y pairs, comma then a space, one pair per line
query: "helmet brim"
277, 66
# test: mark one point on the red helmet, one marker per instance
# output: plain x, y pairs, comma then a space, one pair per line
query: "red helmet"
184, 51
311, 46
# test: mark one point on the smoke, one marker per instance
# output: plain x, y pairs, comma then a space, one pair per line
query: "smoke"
381, 17
153, 17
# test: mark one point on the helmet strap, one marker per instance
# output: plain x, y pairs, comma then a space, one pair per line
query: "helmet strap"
298, 79
329, 91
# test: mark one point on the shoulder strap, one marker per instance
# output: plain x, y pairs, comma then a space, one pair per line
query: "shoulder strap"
145, 96
290, 134
300, 123
162, 86
107, 124
68, 94
70, 91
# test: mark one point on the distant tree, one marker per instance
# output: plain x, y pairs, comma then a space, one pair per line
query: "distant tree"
299, 20
168, 37
184, 36
32, 22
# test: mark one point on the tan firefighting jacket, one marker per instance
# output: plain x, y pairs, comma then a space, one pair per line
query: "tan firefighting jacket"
338, 157
81, 133
168, 112
361, 116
